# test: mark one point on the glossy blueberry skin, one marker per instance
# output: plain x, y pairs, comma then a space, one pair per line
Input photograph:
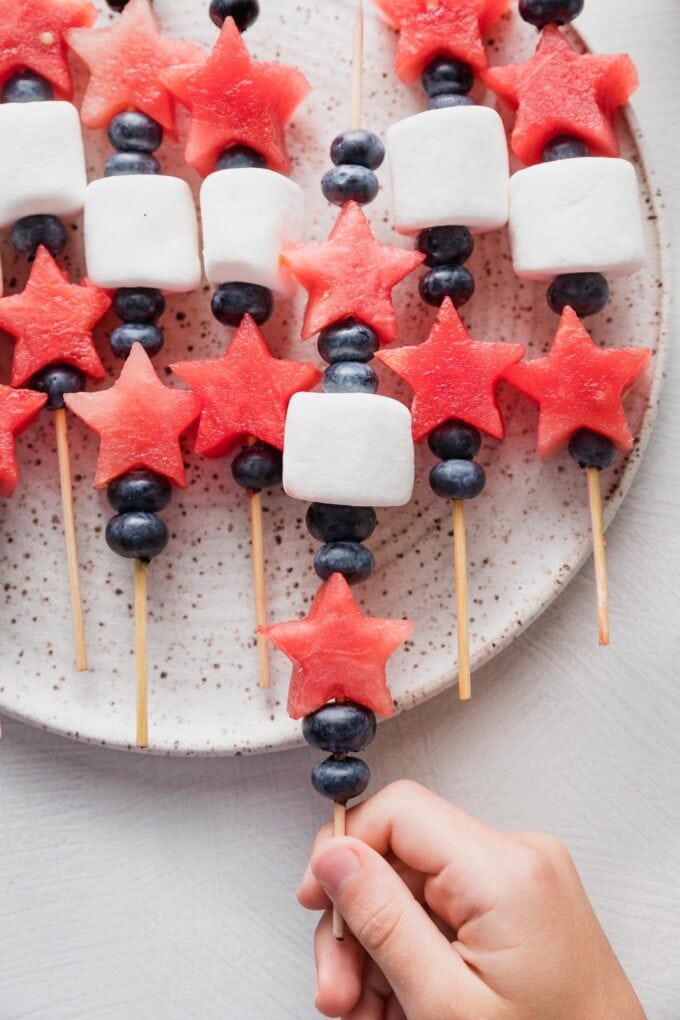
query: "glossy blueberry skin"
457, 479
348, 340
455, 282
454, 440
30, 232
545, 12
354, 561
445, 246
137, 535
139, 304
360, 148
55, 381
564, 147
586, 293
120, 164
132, 131
446, 76
444, 100
244, 12
147, 334
239, 157
27, 87
340, 727
349, 183
258, 467
592, 450
327, 522
139, 490
350, 377
231, 301
341, 779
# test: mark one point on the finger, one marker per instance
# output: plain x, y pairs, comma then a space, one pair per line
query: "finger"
312, 896
339, 969
376, 996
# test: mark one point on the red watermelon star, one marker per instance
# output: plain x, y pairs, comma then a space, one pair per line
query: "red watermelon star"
52, 321
139, 422
31, 36
338, 652
18, 410
235, 100
561, 92
579, 386
350, 275
453, 376
244, 393
125, 64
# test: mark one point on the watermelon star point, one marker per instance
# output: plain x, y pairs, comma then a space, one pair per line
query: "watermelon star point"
18, 410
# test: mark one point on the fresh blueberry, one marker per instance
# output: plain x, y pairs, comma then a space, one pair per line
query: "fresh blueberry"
244, 12
30, 232
238, 157
444, 100
137, 535
360, 148
349, 183
147, 334
327, 522
446, 76
341, 779
351, 559
545, 12
457, 479
117, 5
27, 87
455, 282
139, 304
350, 377
340, 727
140, 490
133, 131
564, 147
257, 467
348, 340
231, 301
454, 440
586, 293
592, 450
445, 246
121, 164
55, 381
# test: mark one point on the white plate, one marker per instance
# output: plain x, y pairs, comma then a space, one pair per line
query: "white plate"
528, 533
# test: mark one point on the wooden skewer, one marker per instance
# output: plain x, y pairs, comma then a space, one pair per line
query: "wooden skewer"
141, 661
66, 482
259, 586
599, 549
462, 624
339, 829
358, 67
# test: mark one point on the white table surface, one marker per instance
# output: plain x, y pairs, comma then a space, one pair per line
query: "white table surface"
164, 889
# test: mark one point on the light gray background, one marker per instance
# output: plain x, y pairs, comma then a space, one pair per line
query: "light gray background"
164, 889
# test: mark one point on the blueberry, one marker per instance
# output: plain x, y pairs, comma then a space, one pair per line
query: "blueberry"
454, 440
328, 522
145, 333
455, 282
361, 148
348, 340
231, 301
55, 381
341, 779
237, 157
445, 246
122, 163
564, 147
340, 727
27, 87
586, 293
117, 5
349, 183
350, 377
133, 131
457, 479
545, 12
30, 232
351, 559
446, 76
244, 12
257, 467
444, 100
137, 535
140, 490
592, 450
139, 304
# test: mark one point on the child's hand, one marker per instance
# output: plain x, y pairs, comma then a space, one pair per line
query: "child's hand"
454, 921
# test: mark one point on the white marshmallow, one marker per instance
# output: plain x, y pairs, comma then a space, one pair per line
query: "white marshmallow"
449, 166
353, 449
249, 216
42, 169
576, 216
141, 231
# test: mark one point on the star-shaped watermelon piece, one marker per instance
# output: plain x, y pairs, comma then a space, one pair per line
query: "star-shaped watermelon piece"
235, 100
18, 410
32, 37
139, 422
244, 393
126, 62
561, 92
453, 376
351, 275
52, 321
578, 385
338, 652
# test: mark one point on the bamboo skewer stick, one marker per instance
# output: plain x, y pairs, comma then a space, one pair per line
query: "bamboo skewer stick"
599, 550
259, 586
462, 623
339, 829
66, 482
141, 660
358, 68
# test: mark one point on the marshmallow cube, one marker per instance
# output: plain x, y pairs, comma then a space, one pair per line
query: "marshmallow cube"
449, 167
576, 216
249, 216
141, 231
42, 169
353, 449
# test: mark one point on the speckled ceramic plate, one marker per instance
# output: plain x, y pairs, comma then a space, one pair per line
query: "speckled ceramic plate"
528, 534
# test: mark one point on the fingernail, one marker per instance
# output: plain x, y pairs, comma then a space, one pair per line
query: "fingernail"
335, 868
